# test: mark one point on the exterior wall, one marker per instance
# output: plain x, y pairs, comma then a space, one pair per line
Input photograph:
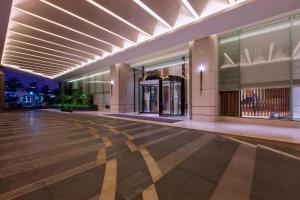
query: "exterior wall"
204, 105
122, 92
2, 102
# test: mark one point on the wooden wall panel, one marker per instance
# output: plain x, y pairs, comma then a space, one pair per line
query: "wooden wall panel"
229, 103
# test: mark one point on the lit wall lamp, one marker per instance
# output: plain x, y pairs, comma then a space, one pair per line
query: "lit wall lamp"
201, 69
111, 87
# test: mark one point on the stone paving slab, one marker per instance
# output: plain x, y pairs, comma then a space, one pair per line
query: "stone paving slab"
87, 157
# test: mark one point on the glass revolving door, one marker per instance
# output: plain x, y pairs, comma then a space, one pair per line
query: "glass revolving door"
163, 95
149, 96
172, 96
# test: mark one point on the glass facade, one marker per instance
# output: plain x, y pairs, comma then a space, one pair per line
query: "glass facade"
97, 85
259, 71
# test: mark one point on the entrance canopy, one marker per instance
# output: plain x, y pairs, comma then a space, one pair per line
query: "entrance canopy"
53, 37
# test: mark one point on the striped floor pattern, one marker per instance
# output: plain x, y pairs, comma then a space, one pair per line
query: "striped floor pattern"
53, 156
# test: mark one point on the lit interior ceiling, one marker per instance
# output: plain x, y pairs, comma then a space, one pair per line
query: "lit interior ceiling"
54, 37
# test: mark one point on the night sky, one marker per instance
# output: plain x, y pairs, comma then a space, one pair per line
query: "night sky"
26, 78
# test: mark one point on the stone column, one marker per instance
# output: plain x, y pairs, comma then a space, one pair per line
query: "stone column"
2, 87
122, 91
204, 104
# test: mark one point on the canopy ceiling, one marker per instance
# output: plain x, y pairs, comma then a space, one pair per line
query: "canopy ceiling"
54, 37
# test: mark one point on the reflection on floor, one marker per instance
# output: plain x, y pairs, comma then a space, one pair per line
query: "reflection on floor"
48, 155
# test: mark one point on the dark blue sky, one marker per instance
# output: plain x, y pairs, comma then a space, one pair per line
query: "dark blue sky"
26, 78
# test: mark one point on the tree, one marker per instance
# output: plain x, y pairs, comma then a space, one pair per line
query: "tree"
45, 89
13, 84
32, 87
55, 92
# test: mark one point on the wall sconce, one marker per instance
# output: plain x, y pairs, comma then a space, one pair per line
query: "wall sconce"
201, 69
111, 86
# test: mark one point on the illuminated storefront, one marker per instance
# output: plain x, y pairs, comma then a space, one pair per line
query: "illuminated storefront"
259, 71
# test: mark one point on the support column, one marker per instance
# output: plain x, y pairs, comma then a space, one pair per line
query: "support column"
122, 88
204, 94
62, 88
2, 87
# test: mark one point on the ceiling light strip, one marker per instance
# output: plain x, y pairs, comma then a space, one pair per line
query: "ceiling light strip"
151, 12
118, 17
43, 31
90, 76
233, 2
190, 8
47, 48
32, 59
28, 71
34, 67
87, 21
40, 70
48, 54
66, 27
40, 57
52, 43
28, 62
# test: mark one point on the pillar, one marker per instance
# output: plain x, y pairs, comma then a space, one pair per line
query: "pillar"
2, 87
204, 103
122, 88
62, 88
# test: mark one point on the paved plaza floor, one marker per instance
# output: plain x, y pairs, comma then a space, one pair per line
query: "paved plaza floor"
50, 155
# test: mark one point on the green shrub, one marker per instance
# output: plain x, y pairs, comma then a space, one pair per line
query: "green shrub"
78, 106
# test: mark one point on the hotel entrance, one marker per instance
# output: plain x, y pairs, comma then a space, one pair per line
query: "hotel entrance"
163, 95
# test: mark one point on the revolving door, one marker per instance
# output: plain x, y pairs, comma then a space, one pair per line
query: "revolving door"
163, 95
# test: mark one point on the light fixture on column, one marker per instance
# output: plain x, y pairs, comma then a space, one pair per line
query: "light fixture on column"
111, 86
183, 66
201, 69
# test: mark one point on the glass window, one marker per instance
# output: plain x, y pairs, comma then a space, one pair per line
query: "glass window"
98, 86
229, 51
264, 55
296, 49
84, 86
229, 79
92, 83
260, 70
